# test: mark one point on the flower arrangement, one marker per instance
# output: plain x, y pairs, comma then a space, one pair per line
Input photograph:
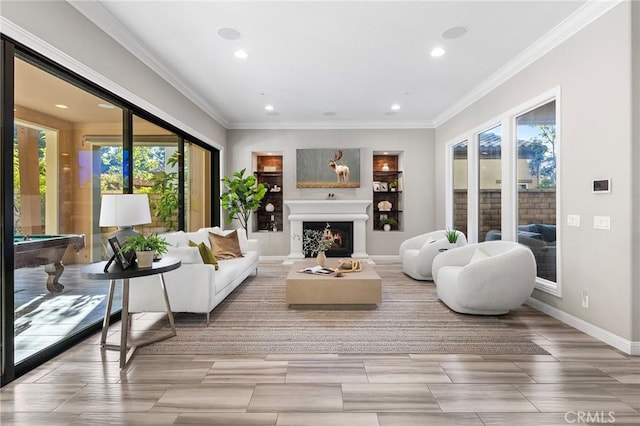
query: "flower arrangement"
315, 241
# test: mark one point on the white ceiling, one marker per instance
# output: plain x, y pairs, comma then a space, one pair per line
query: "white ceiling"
352, 58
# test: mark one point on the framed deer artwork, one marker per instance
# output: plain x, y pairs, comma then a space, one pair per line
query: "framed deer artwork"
328, 168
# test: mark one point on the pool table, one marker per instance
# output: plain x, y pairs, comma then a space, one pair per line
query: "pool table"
47, 250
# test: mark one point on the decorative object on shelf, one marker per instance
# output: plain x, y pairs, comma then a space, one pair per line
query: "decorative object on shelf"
146, 248
393, 186
379, 186
275, 188
273, 225
385, 167
270, 168
315, 241
328, 168
387, 223
385, 206
243, 196
269, 208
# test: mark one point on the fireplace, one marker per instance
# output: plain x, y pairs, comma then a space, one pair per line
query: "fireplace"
341, 231
323, 211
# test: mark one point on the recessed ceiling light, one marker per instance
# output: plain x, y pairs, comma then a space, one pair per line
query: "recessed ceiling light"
329, 113
386, 153
62, 106
106, 106
228, 33
437, 52
241, 54
454, 32
395, 107
269, 108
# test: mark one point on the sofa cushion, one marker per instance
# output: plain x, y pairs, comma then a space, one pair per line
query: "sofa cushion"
225, 246
176, 239
200, 236
185, 254
242, 237
548, 232
206, 255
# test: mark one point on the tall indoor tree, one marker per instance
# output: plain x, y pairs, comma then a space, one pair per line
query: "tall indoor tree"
243, 196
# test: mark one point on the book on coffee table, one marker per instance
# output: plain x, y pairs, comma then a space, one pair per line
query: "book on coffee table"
317, 269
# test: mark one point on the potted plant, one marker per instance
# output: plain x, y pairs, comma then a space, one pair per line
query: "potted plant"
317, 241
452, 236
393, 186
146, 248
387, 223
243, 196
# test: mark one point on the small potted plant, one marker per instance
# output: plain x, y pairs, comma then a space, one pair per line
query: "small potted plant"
146, 248
452, 237
387, 223
393, 186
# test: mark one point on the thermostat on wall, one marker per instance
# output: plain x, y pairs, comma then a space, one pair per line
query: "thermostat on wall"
601, 186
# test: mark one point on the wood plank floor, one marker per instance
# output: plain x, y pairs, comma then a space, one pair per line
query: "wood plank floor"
581, 377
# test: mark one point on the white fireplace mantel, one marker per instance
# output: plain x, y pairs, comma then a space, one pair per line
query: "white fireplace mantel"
331, 211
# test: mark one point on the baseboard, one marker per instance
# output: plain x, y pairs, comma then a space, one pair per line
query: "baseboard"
627, 346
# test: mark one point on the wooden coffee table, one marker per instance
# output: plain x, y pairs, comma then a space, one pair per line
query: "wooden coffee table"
354, 288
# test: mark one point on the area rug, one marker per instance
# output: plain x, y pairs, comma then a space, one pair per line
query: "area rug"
254, 319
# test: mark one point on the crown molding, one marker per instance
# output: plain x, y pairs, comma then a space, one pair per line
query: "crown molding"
322, 125
35, 43
103, 19
586, 14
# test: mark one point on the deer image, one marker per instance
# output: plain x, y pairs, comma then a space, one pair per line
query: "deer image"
342, 170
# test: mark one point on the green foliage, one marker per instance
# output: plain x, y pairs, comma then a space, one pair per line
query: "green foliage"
166, 184
243, 196
388, 221
543, 156
146, 243
452, 235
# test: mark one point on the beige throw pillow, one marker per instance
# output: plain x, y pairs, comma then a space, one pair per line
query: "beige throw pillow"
225, 246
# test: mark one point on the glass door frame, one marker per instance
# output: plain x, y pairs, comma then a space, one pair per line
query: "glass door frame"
9, 51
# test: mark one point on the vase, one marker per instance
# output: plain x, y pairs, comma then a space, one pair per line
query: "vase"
321, 258
145, 259
386, 227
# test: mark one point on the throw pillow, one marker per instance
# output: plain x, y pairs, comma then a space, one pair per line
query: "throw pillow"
186, 254
207, 255
225, 246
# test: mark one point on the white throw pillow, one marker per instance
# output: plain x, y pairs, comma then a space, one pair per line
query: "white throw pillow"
176, 239
478, 255
185, 254
200, 236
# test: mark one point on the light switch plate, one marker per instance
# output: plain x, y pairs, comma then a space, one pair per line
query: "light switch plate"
573, 220
602, 222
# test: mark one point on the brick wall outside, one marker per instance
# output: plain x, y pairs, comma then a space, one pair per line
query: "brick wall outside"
535, 206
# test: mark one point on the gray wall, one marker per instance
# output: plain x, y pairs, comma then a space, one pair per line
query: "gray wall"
67, 30
417, 161
593, 70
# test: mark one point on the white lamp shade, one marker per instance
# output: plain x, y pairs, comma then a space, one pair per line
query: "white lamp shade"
124, 210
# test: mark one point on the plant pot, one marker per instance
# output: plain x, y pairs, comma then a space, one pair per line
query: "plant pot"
321, 259
386, 227
145, 259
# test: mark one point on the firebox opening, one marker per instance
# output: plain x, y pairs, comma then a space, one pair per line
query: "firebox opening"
343, 233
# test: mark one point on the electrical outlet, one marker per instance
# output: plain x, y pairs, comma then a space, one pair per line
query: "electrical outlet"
602, 222
573, 220
585, 300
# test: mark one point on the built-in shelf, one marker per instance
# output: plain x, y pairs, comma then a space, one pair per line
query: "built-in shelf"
387, 191
269, 173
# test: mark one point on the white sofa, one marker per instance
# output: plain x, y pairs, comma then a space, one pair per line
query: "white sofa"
194, 287
488, 278
417, 253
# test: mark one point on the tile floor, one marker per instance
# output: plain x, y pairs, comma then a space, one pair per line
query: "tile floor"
580, 377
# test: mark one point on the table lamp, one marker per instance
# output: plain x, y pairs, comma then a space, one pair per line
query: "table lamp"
124, 211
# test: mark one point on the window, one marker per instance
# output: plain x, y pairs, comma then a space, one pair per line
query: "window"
490, 179
460, 186
536, 174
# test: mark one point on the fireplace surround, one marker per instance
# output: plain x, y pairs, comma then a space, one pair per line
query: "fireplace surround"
324, 211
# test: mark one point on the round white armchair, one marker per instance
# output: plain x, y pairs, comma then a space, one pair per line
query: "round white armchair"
417, 253
488, 278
